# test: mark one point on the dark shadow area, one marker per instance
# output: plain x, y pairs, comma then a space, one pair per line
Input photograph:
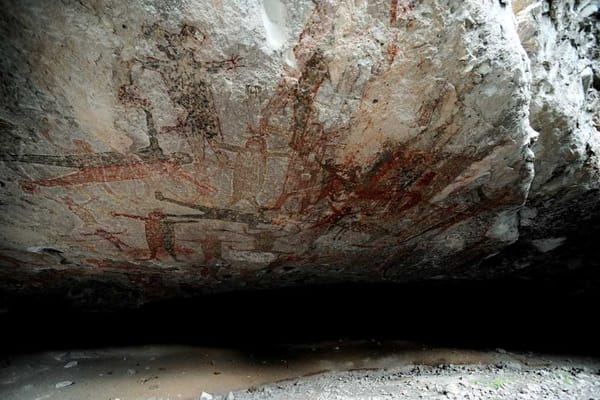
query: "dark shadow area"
546, 316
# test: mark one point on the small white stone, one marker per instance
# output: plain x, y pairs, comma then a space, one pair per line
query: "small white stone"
452, 388
206, 396
64, 384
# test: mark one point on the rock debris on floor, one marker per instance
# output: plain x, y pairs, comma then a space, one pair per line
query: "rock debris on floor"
441, 382
337, 370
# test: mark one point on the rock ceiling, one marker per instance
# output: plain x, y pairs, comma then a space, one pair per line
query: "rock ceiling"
168, 146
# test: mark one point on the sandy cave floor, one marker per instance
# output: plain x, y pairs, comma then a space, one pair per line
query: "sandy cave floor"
335, 370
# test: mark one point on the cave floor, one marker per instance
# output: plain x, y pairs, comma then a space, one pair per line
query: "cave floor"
328, 370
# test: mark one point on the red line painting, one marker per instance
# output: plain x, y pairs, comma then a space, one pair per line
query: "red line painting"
107, 167
79, 210
308, 140
121, 173
110, 237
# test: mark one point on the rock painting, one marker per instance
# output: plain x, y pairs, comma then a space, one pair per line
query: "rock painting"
160, 233
111, 166
111, 237
185, 78
364, 131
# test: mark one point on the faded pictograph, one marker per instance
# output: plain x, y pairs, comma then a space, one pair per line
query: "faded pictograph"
250, 169
80, 210
309, 142
160, 233
315, 193
110, 237
221, 214
108, 167
399, 10
258, 229
187, 81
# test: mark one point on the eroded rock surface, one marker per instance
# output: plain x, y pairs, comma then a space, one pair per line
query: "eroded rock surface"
158, 148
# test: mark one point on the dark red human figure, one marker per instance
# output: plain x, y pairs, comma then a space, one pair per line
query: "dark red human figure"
160, 235
250, 168
119, 173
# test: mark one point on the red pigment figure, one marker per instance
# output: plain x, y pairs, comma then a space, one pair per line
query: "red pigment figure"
133, 171
112, 166
160, 235
250, 166
309, 141
249, 172
110, 237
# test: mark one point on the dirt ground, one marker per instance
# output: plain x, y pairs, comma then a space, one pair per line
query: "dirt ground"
335, 370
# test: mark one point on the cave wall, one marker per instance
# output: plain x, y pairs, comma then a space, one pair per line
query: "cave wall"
152, 149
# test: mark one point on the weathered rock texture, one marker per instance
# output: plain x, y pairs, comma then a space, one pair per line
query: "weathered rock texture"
162, 147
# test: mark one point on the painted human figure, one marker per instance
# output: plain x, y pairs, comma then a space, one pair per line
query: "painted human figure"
119, 173
111, 166
249, 171
308, 142
160, 235
186, 83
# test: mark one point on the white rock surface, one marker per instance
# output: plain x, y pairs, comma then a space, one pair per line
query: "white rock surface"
206, 396
561, 41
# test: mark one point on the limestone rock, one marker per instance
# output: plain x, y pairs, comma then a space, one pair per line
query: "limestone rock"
151, 145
